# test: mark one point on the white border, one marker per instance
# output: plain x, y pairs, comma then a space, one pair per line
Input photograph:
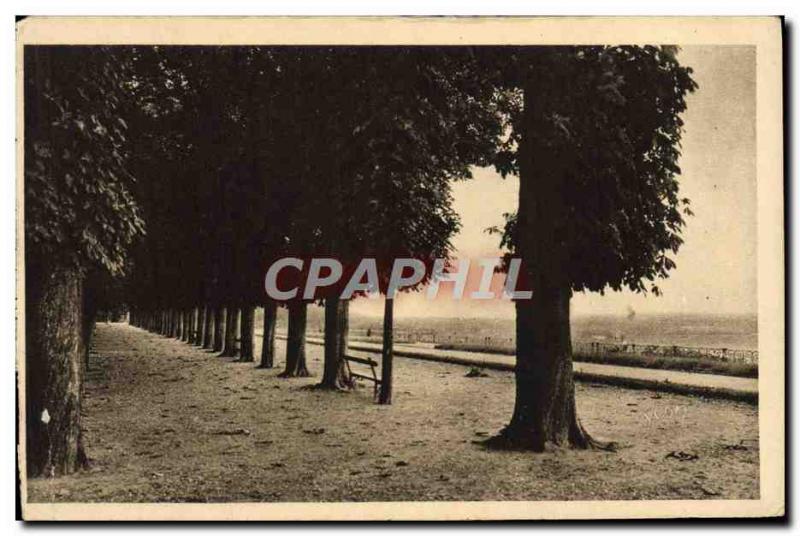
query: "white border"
343, 7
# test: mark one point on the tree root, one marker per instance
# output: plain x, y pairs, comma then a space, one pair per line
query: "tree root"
580, 438
82, 459
608, 446
295, 374
507, 439
510, 439
343, 388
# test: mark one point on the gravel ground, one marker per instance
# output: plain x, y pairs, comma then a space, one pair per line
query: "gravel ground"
168, 422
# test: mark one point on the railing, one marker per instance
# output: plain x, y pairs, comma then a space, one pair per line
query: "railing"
591, 348
722, 354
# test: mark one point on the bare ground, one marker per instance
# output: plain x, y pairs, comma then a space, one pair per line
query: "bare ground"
168, 422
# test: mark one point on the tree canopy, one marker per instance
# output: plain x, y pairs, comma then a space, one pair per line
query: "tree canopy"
614, 139
80, 208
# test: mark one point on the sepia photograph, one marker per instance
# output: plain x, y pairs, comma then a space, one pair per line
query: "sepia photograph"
400, 268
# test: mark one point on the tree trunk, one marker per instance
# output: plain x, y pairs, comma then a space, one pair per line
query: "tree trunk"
544, 408
335, 375
208, 317
176, 324
219, 328
296, 341
246, 334
195, 313
190, 330
187, 328
226, 336
197, 338
231, 331
190, 334
54, 372
201, 324
89, 315
268, 340
387, 358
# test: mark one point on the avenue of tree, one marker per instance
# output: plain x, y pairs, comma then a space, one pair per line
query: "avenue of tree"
168, 179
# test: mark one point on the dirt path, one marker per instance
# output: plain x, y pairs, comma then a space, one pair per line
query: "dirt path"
499, 361
168, 422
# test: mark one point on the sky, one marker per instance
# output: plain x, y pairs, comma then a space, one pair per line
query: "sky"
716, 266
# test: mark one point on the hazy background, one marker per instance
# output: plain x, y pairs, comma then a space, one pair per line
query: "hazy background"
716, 267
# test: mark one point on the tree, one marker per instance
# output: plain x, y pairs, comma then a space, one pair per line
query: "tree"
219, 328
246, 334
211, 149
208, 319
393, 127
231, 331
387, 353
426, 145
598, 204
296, 341
254, 197
268, 341
201, 324
164, 152
80, 215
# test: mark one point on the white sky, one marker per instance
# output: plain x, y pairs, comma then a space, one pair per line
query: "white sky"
716, 267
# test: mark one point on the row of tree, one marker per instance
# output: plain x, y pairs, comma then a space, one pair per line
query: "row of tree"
243, 155
331, 152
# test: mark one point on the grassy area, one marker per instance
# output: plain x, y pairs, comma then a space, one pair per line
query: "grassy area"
687, 364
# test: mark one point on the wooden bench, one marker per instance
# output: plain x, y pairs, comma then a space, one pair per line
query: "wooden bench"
364, 361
